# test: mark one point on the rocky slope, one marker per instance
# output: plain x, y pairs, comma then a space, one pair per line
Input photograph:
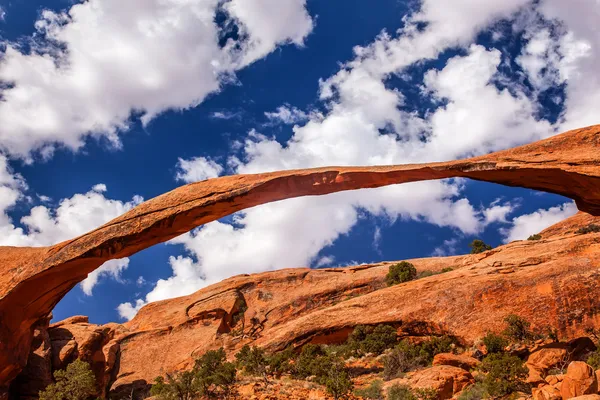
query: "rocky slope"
33, 280
550, 282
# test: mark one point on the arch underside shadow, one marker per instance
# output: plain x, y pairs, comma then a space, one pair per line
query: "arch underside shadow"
33, 280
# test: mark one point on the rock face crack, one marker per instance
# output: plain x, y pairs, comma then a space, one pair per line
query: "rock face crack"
35, 279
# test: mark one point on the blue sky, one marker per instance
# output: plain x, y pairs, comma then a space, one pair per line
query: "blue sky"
110, 104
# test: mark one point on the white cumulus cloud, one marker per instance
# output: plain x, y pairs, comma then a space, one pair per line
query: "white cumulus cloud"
531, 224
197, 169
117, 59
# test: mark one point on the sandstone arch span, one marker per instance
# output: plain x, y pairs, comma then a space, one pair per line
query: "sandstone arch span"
33, 280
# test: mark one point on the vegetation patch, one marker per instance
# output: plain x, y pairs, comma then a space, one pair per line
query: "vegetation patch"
591, 228
407, 356
537, 236
505, 374
76, 382
372, 392
212, 376
400, 273
479, 246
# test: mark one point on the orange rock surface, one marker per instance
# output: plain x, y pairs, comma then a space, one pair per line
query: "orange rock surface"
33, 280
550, 282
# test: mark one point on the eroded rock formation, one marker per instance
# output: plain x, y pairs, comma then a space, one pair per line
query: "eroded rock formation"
551, 282
33, 280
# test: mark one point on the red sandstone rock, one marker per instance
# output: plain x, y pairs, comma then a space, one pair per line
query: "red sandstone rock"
444, 379
547, 392
35, 279
556, 355
460, 361
579, 380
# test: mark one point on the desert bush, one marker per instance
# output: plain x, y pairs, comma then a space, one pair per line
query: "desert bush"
214, 372
329, 370
253, 361
401, 272
537, 236
407, 356
372, 392
594, 360
76, 382
474, 392
425, 274
517, 328
478, 246
447, 269
437, 345
400, 392
592, 228
210, 375
426, 394
494, 343
177, 386
337, 381
368, 339
312, 361
505, 374
281, 362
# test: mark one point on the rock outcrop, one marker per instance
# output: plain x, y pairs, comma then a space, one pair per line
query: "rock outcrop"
33, 280
550, 283
579, 380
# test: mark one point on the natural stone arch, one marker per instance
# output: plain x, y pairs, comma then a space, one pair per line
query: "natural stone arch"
33, 280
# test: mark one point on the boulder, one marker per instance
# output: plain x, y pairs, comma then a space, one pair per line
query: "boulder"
579, 380
547, 392
554, 379
446, 380
455, 360
556, 355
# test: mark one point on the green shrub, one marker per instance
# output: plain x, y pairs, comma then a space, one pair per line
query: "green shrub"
280, 363
437, 345
505, 374
400, 392
176, 386
77, 382
537, 236
372, 392
214, 372
211, 374
494, 343
329, 370
517, 328
592, 228
447, 269
374, 340
337, 381
253, 361
479, 246
312, 361
594, 360
426, 393
407, 356
425, 274
400, 273
474, 392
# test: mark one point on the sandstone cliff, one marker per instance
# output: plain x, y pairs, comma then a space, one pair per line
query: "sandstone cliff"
33, 280
550, 282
